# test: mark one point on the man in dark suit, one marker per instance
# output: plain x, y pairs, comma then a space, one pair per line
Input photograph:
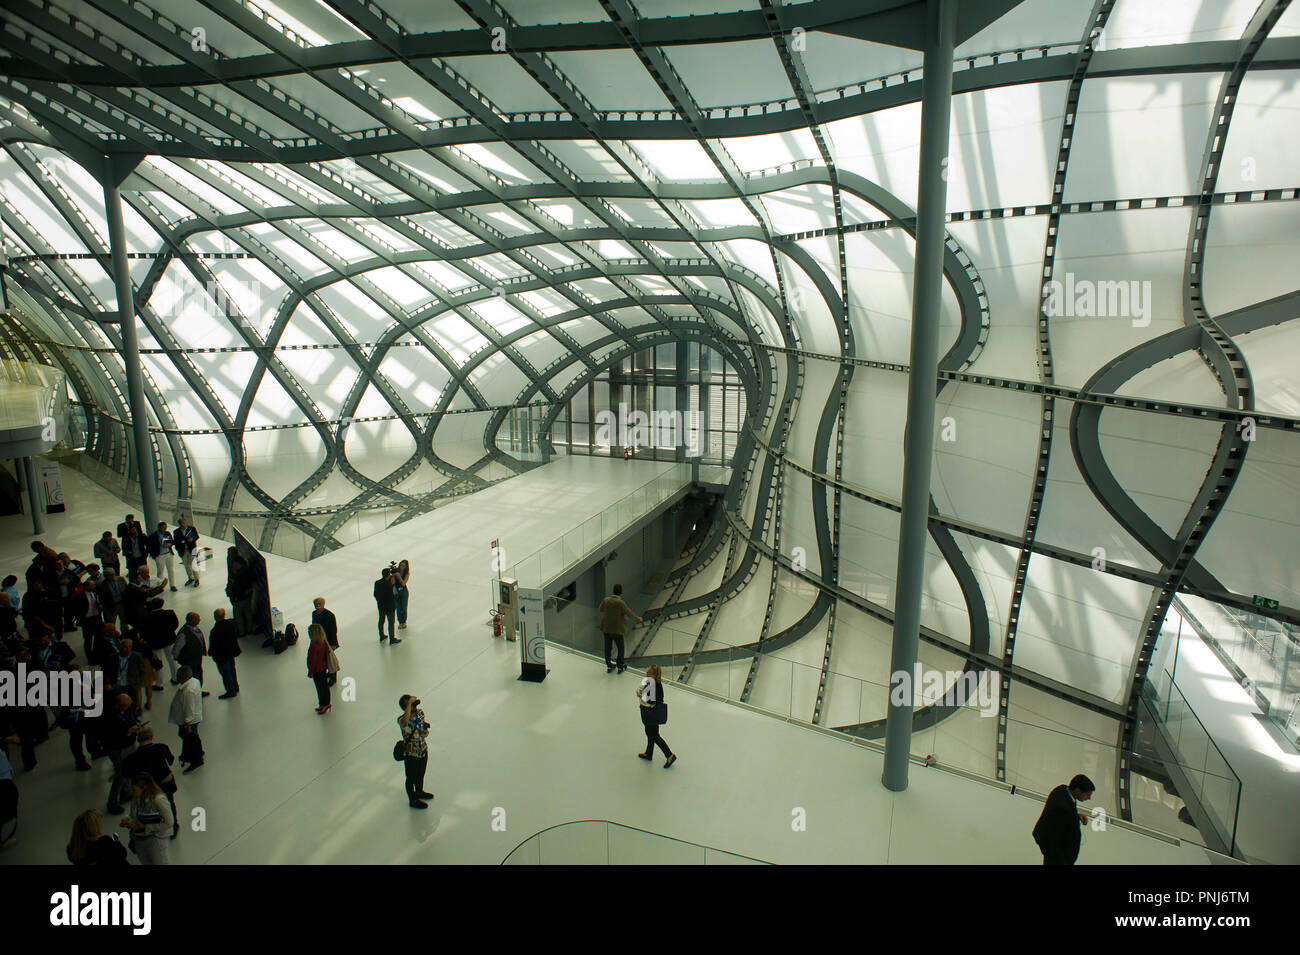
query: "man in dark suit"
223, 647
191, 647
326, 619
135, 599
1059, 830
129, 522
386, 601
134, 549
112, 594
155, 759
159, 633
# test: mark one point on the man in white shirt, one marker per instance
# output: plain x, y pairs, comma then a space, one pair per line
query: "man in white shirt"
187, 714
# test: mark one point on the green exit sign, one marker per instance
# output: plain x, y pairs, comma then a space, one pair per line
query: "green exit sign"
1266, 602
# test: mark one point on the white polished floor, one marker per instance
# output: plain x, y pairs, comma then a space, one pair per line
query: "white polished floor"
282, 784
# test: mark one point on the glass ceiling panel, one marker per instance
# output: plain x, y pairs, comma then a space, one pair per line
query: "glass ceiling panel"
725, 74
1138, 134
1160, 22
611, 79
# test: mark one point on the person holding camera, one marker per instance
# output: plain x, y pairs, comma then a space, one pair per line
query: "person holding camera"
386, 601
401, 578
415, 729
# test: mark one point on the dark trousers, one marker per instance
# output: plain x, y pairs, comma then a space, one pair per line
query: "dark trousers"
403, 600
176, 819
89, 628
322, 681
191, 745
653, 739
76, 737
415, 766
229, 678
389, 614
115, 787
243, 615
610, 640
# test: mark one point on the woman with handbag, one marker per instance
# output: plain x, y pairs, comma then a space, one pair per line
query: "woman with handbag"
150, 821
654, 713
318, 666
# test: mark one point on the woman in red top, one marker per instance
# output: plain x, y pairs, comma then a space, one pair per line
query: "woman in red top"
318, 660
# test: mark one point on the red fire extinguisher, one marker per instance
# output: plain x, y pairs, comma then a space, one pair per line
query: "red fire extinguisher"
496, 624
627, 454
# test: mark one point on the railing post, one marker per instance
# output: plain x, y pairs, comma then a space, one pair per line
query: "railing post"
33, 496
115, 171
918, 440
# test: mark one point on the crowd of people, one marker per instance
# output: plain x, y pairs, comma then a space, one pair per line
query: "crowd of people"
130, 636
129, 643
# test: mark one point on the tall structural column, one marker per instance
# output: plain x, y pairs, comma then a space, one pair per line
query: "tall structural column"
918, 439
114, 172
33, 495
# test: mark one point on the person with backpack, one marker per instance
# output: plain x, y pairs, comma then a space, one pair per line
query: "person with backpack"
415, 730
654, 713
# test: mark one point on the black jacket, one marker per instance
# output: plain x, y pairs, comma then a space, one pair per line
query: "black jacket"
135, 603
159, 628
105, 851
326, 619
223, 640
385, 596
115, 730
155, 759
192, 650
1058, 831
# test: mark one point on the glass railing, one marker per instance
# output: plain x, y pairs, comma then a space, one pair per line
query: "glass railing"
553, 560
32, 395
1261, 653
1208, 779
1038, 756
600, 842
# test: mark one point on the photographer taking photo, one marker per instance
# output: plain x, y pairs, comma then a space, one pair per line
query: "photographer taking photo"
415, 728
